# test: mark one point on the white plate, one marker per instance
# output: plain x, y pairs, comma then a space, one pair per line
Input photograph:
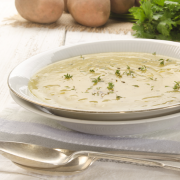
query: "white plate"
20, 76
107, 128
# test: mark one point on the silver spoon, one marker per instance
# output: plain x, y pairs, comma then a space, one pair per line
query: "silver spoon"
41, 157
74, 167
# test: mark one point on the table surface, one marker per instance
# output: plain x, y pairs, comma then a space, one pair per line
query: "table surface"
19, 43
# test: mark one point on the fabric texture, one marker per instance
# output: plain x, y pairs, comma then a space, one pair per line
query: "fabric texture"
16, 121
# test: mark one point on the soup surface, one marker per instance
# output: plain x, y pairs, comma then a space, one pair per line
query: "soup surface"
109, 82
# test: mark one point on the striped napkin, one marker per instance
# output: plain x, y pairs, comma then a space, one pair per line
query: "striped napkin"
18, 124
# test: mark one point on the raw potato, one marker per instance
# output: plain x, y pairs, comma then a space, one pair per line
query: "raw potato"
40, 11
91, 13
121, 6
65, 6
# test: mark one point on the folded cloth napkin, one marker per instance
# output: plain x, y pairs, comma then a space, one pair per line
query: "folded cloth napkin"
18, 124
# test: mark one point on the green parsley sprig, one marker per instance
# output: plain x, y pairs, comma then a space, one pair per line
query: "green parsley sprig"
95, 81
92, 70
162, 61
110, 86
143, 68
68, 76
129, 72
157, 19
118, 97
135, 85
128, 67
117, 73
176, 86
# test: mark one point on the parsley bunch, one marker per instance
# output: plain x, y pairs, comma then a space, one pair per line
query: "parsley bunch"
157, 19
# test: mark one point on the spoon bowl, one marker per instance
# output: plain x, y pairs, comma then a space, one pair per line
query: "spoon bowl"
35, 156
74, 167
32, 155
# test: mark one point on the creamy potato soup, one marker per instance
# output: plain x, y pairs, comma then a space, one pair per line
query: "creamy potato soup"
109, 82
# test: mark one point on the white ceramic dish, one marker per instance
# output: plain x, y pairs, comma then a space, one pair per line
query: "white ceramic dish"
107, 128
20, 76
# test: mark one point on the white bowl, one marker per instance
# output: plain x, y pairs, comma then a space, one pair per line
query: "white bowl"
20, 76
106, 128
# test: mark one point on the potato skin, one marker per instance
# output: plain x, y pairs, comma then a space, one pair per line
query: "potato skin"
92, 13
121, 6
65, 6
40, 11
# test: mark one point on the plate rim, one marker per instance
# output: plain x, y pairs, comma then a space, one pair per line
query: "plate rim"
23, 103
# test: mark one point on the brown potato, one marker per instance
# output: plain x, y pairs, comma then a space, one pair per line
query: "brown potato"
91, 13
40, 11
121, 6
65, 6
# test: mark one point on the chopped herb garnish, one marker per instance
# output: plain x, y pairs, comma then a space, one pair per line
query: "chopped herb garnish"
128, 67
167, 59
95, 81
129, 73
118, 97
93, 94
154, 53
81, 57
152, 87
110, 92
110, 87
162, 61
98, 88
123, 81
166, 86
89, 88
92, 70
143, 68
155, 79
68, 76
176, 86
73, 88
117, 73
135, 85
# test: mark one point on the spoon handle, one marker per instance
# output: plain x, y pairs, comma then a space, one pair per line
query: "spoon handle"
140, 161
